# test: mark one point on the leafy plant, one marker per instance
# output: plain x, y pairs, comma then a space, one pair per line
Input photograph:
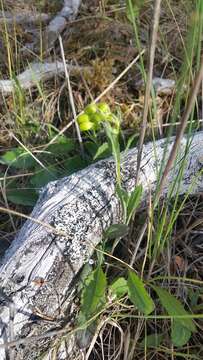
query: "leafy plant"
59, 162
138, 295
95, 117
116, 230
182, 325
93, 295
119, 287
26, 197
152, 341
18, 158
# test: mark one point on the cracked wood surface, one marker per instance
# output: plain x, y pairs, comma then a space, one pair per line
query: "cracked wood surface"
39, 271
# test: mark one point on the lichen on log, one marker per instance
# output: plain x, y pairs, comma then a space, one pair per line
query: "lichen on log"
39, 271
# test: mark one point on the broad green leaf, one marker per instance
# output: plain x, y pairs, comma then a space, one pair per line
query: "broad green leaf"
86, 270
119, 287
152, 341
114, 143
102, 151
174, 308
43, 176
93, 295
62, 147
138, 294
116, 230
27, 197
122, 194
91, 148
18, 158
73, 164
180, 335
115, 147
123, 197
134, 201
133, 8
131, 142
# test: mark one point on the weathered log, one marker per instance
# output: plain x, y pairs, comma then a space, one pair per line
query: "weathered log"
26, 18
35, 73
39, 270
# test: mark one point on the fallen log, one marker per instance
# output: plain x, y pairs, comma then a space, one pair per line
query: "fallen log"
39, 271
35, 73
22, 19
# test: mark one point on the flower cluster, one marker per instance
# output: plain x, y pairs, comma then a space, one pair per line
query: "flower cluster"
95, 115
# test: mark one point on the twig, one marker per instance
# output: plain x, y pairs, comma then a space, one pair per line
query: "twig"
157, 7
30, 152
71, 95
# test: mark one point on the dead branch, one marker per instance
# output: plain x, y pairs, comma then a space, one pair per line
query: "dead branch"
35, 73
23, 19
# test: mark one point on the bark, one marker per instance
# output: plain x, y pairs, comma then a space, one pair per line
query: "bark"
40, 269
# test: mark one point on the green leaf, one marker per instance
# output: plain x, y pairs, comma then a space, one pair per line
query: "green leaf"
86, 270
123, 197
102, 151
27, 197
134, 201
113, 138
43, 176
116, 230
131, 142
119, 287
180, 335
91, 148
138, 295
62, 148
18, 158
73, 164
93, 295
174, 308
152, 341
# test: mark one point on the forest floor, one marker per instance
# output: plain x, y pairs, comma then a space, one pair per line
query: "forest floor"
101, 43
